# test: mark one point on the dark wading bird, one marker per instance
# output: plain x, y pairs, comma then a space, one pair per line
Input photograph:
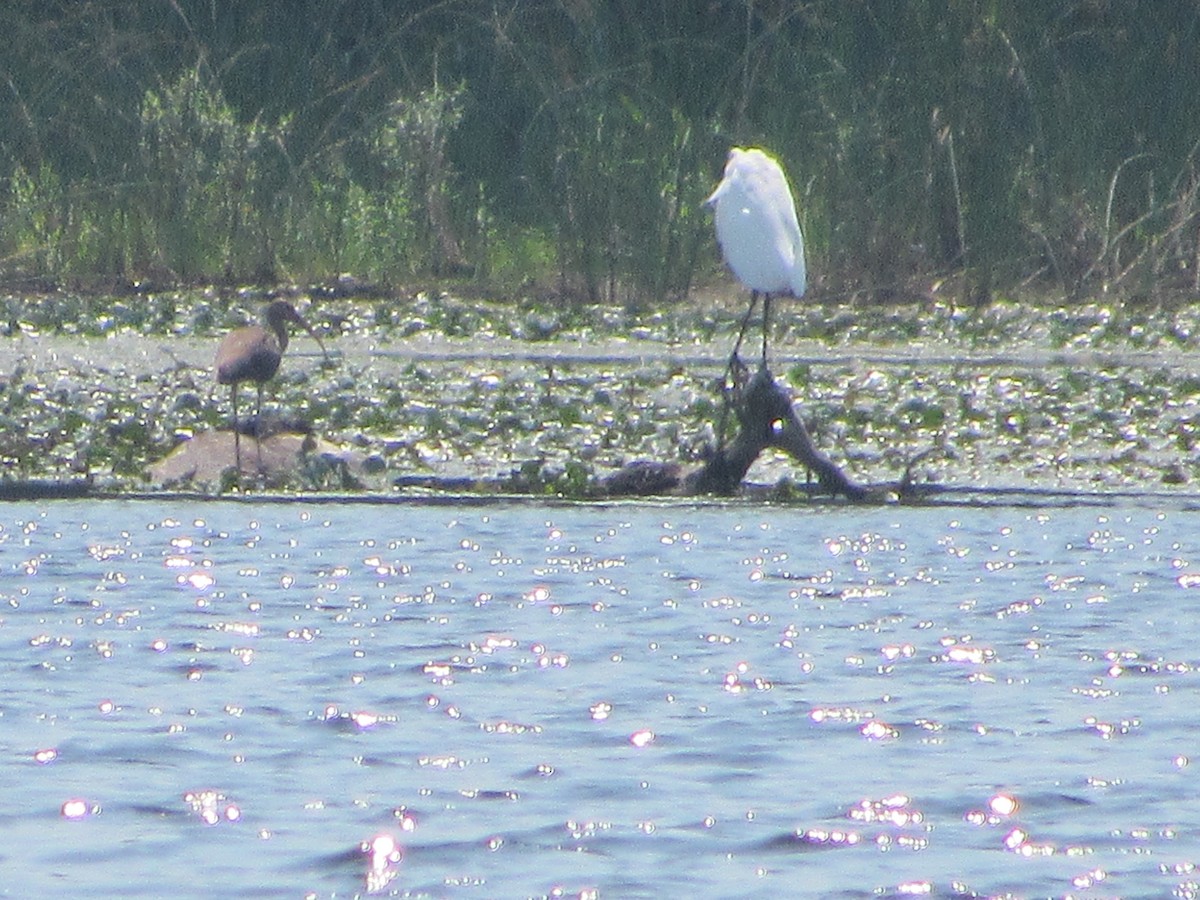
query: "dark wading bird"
759, 233
253, 354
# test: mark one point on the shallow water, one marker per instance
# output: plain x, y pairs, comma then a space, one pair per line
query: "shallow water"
247, 699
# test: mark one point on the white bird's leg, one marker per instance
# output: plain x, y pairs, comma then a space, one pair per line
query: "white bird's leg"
766, 321
742, 330
736, 377
729, 380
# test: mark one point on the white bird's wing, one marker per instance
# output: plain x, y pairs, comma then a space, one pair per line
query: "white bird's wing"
772, 196
757, 225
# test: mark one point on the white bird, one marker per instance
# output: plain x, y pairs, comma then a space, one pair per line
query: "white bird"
758, 231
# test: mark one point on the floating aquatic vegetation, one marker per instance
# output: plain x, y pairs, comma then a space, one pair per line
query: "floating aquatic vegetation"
513, 396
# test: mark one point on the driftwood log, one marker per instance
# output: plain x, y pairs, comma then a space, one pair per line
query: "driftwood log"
766, 419
760, 407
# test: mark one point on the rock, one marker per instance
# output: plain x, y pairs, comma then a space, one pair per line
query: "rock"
280, 458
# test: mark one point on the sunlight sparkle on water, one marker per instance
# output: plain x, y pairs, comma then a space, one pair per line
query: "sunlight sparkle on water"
1003, 804
839, 714
383, 860
1018, 841
642, 738
213, 807
973, 655
894, 810
78, 809
364, 719
405, 818
835, 837
893, 652
496, 642
879, 731
569, 660
1089, 879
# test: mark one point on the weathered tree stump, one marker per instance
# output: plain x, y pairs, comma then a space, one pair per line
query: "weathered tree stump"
765, 419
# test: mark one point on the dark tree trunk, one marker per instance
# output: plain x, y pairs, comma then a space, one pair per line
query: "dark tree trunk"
766, 419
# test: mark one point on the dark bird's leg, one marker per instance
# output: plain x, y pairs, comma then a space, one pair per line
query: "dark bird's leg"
258, 427
237, 433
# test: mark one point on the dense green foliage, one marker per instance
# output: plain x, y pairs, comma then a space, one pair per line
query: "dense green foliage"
573, 140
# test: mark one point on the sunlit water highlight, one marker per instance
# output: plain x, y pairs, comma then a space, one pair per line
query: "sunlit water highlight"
228, 699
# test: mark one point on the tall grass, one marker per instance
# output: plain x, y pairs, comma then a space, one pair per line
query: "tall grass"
993, 144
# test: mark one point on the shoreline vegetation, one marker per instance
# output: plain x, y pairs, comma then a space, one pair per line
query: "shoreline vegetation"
563, 148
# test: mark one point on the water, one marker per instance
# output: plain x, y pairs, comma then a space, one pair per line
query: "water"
239, 699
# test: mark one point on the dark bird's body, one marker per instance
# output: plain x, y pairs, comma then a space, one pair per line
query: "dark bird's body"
253, 354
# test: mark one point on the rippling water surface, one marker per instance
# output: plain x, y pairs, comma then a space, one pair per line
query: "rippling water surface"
233, 699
